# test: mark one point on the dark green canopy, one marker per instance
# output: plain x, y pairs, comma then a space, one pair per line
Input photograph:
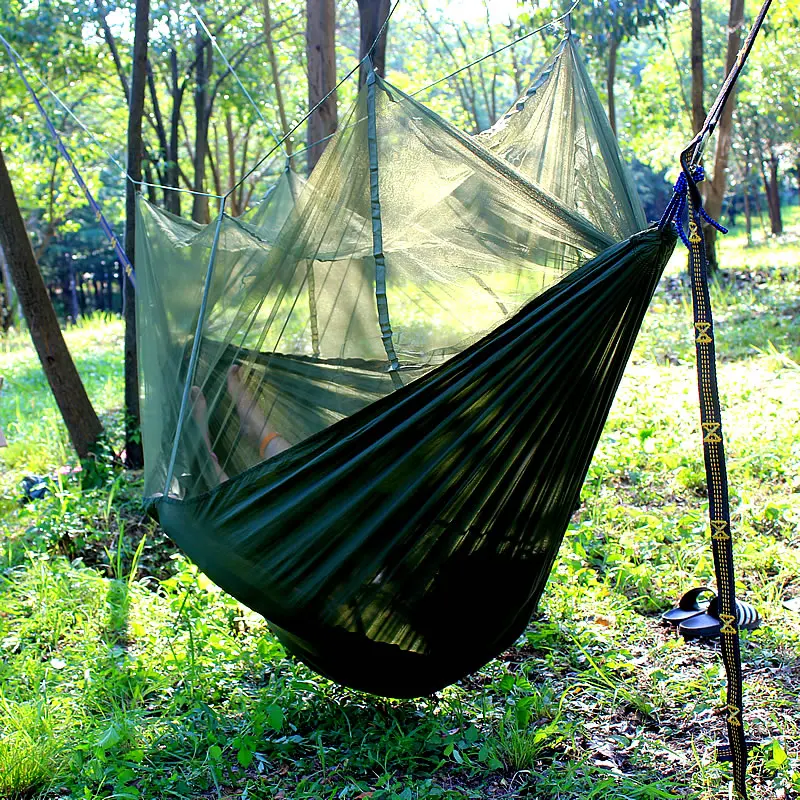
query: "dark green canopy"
437, 324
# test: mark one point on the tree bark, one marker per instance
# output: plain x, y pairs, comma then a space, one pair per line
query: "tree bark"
276, 79
372, 14
173, 199
112, 46
8, 320
321, 57
715, 188
698, 76
611, 75
134, 458
202, 73
83, 426
774, 196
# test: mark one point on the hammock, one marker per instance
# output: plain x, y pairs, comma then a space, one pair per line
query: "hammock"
438, 328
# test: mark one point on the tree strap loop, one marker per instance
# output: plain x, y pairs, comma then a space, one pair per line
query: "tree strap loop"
718, 504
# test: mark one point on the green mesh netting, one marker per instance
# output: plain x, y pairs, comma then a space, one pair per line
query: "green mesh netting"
558, 136
433, 335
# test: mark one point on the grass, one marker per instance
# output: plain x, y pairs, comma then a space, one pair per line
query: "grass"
126, 674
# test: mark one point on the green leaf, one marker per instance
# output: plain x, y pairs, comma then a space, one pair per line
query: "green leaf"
275, 717
245, 757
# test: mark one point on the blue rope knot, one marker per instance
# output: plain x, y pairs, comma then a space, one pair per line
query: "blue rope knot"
677, 205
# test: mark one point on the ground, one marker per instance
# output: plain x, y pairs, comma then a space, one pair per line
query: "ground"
125, 674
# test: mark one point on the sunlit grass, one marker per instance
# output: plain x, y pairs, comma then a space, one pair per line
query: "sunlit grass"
124, 673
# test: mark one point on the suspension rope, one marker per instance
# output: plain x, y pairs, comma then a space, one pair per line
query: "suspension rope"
99, 216
318, 104
213, 40
554, 21
18, 61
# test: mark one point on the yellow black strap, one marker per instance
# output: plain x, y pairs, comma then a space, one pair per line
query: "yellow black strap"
718, 507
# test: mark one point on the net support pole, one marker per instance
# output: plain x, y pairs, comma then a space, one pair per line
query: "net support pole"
190, 370
377, 231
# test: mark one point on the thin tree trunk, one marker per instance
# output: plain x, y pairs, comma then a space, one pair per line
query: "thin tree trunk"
774, 189
276, 79
321, 57
768, 194
611, 75
99, 298
134, 458
173, 200
797, 171
83, 426
10, 291
372, 14
110, 291
748, 222
112, 46
715, 188
234, 210
698, 76
202, 71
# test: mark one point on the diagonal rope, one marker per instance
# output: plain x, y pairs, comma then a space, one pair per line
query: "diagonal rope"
565, 15
18, 61
213, 40
318, 104
99, 216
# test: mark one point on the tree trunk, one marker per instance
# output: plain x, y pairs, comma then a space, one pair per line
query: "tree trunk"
134, 458
748, 221
774, 189
233, 200
698, 76
83, 426
797, 171
99, 299
276, 79
8, 321
715, 188
321, 57
611, 75
774, 223
372, 14
110, 291
173, 199
203, 70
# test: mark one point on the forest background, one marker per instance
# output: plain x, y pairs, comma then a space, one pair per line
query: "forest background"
200, 131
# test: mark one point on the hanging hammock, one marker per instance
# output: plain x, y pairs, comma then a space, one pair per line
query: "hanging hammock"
375, 562
439, 334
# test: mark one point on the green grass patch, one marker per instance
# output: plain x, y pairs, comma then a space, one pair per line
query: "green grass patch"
124, 673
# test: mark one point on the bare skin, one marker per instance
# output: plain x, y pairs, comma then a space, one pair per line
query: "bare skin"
252, 420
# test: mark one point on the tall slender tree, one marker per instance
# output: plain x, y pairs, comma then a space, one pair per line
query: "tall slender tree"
83, 425
133, 441
715, 190
321, 56
372, 14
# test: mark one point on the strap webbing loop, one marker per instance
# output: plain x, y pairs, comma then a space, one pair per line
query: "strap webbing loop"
717, 480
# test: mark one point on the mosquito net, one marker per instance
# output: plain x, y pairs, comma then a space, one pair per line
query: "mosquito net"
557, 134
409, 242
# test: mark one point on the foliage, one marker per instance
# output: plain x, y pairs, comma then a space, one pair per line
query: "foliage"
126, 673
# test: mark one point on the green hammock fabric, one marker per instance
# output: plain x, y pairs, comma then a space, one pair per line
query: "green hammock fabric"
438, 336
